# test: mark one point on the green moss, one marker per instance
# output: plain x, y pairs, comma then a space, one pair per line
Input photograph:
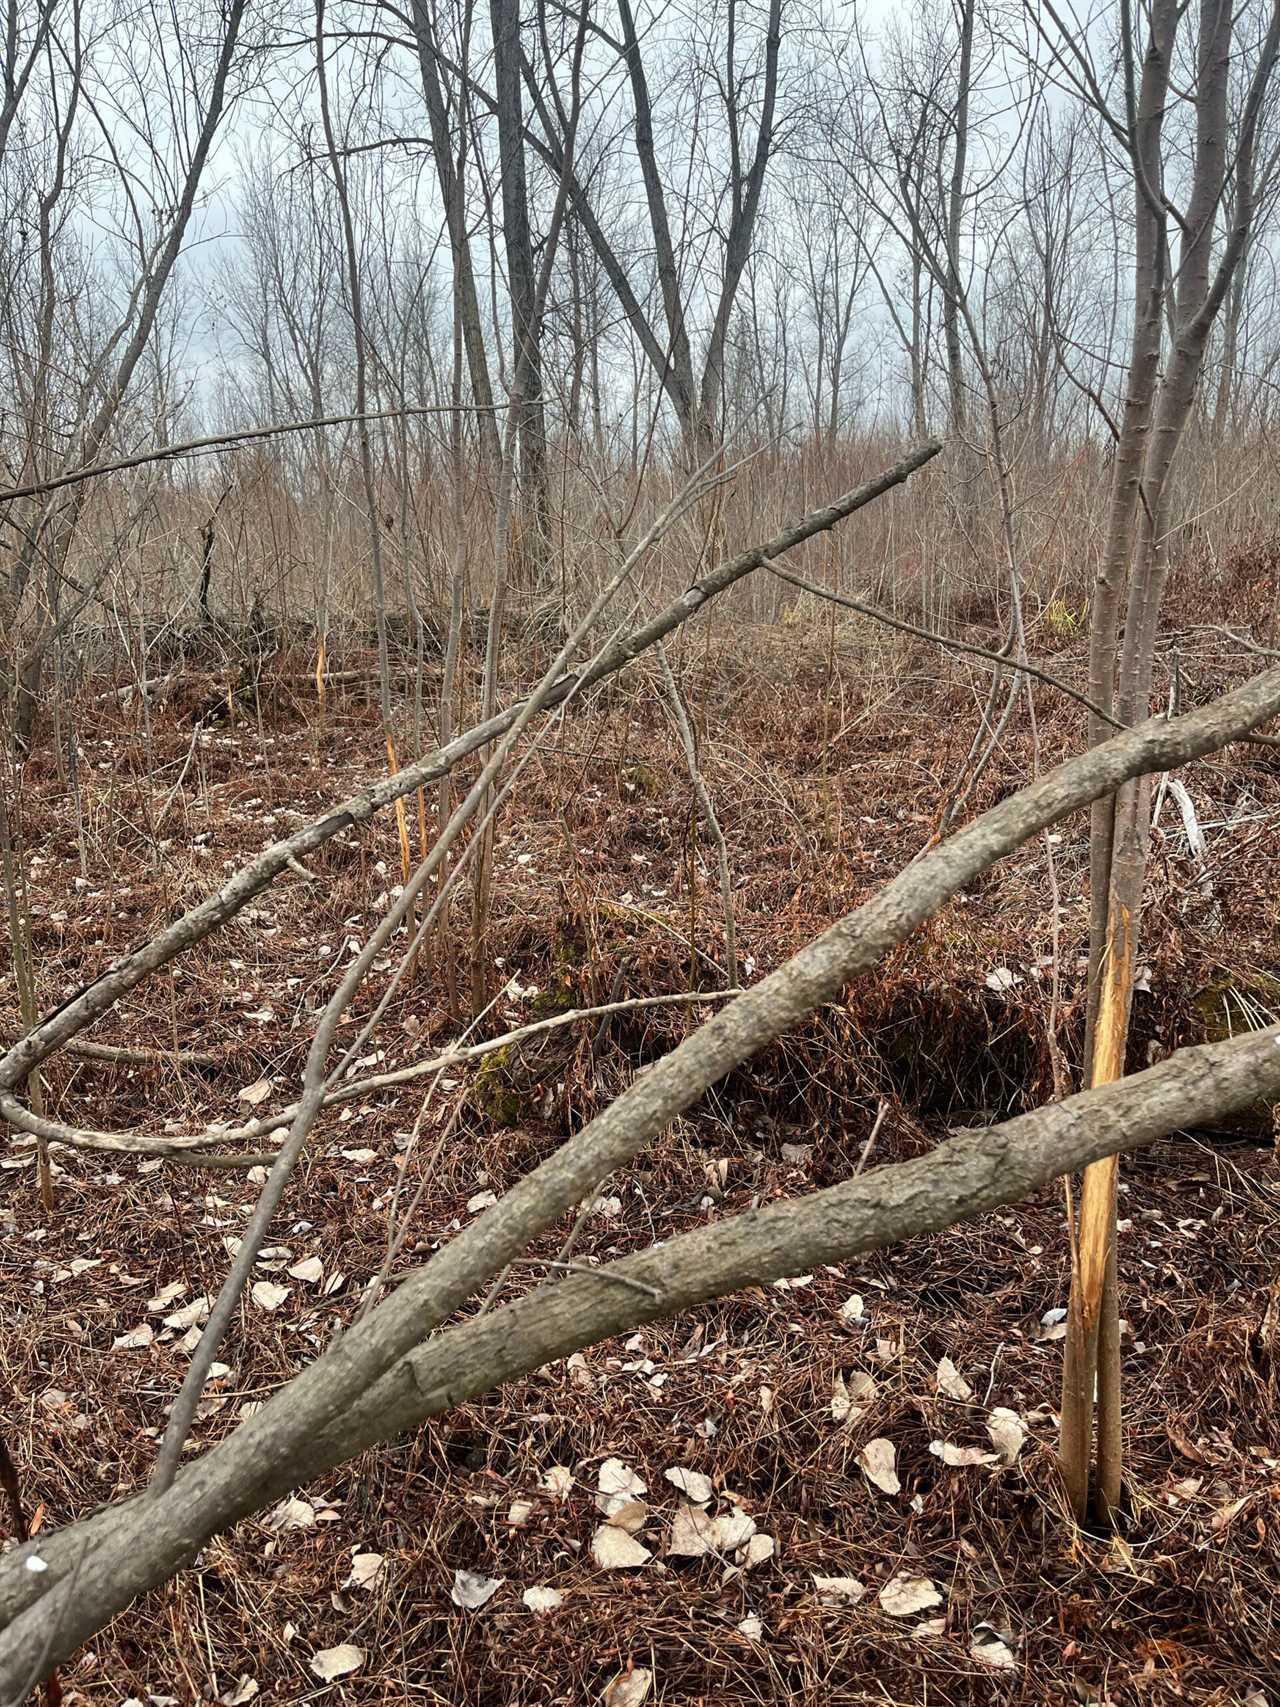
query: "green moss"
1233, 1005
555, 997
494, 1093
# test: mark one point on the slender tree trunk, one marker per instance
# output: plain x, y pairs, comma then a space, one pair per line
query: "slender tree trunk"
522, 285
449, 173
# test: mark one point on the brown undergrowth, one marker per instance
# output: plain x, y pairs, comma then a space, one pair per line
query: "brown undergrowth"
827, 765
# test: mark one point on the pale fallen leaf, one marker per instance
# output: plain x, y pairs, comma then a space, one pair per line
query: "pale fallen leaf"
292, 1514
267, 1295
539, 1599
243, 1691
310, 1268
628, 1689
841, 1403
878, 1459
853, 1309
365, 1570
617, 1483
255, 1093
1001, 978
930, 1627
846, 1590
520, 1513
1225, 1513
136, 1339
557, 1481
166, 1296
471, 1590
329, 1663
951, 1382
362, 1157
632, 1516
1007, 1433
614, 1550
991, 1648
903, 1596
734, 1528
691, 1483
481, 1200
691, 1530
757, 1550
190, 1314
961, 1457
752, 1627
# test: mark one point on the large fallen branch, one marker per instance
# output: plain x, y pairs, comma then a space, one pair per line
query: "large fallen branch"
380, 1375
91, 1570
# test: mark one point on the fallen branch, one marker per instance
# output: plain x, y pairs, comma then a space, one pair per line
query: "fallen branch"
175, 1146
93, 1568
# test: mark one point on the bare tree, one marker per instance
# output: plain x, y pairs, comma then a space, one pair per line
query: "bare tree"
1131, 579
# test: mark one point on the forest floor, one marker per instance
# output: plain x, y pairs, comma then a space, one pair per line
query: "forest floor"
827, 769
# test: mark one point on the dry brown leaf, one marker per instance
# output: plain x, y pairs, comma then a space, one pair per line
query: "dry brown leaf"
1225, 1513
632, 1516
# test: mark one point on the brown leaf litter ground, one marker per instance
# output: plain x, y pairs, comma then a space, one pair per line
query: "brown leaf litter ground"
828, 772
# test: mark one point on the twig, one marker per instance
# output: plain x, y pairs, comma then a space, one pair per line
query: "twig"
1023, 667
214, 441
680, 717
